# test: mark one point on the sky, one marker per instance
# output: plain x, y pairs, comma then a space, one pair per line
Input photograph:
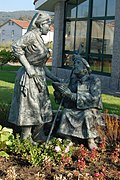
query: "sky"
16, 5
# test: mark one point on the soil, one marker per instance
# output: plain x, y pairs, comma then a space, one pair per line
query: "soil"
16, 168
21, 169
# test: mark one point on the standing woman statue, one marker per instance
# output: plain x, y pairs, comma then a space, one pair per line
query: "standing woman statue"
31, 106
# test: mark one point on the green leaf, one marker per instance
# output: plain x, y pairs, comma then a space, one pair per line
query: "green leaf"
0, 127
4, 154
8, 143
4, 137
8, 130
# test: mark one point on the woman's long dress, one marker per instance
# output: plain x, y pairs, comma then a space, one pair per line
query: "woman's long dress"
31, 105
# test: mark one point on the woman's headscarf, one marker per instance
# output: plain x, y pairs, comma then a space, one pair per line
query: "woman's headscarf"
38, 19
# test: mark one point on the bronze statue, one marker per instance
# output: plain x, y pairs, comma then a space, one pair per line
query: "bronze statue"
81, 102
31, 106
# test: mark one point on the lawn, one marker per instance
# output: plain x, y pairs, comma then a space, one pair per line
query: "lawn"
10, 67
111, 103
7, 78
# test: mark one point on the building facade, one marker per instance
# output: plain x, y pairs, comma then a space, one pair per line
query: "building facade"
90, 28
12, 30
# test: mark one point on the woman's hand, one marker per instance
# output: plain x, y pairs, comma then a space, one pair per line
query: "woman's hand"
29, 69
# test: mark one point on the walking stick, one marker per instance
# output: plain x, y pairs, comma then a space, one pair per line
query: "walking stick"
53, 124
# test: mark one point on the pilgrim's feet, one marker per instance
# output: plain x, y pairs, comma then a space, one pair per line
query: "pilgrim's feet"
92, 144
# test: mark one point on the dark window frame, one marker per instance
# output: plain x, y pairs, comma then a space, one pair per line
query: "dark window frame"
89, 20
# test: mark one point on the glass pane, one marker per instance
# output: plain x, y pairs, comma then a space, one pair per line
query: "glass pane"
109, 35
95, 63
69, 36
81, 31
97, 37
68, 60
82, 8
107, 65
98, 8
71, 9
111, 8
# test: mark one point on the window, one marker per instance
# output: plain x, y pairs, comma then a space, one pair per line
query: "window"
102, 33
111, 8
69, 36
71, 9
3, 32
82, 8
97, 36
89, 31
98, 8
76, 28
12, 33
81, 32
108, 37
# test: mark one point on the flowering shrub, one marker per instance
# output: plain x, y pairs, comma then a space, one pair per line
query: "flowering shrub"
71, 161
62, 159
6, 140
112, 131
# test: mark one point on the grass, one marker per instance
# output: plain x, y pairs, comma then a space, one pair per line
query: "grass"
7, 78
6, 92
10, 68
111, 103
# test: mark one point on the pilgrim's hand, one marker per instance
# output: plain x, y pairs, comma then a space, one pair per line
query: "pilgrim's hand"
65, 91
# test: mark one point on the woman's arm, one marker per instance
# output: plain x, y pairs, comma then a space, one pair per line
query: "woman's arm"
50, 75
19, 51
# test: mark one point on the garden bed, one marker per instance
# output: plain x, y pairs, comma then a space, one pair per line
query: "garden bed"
99, 166
61, 159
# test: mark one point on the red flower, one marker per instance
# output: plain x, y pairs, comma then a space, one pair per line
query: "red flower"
99, 176
81, 164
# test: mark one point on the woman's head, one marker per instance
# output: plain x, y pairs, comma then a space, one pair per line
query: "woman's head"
40, 20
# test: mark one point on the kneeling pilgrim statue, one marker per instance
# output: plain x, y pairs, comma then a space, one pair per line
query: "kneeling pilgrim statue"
81, 102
